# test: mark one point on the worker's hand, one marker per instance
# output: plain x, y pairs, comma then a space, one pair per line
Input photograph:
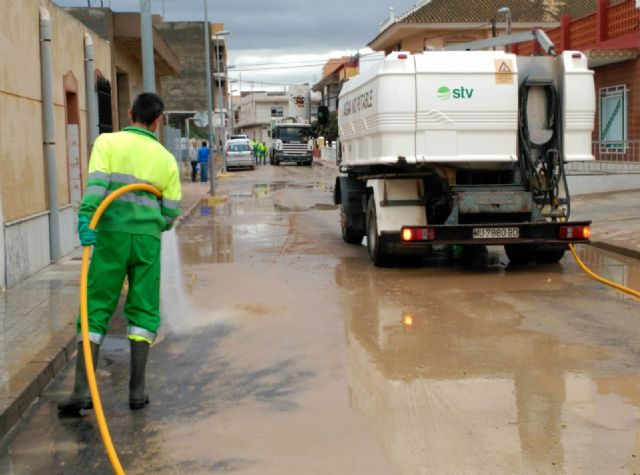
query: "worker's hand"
88, 237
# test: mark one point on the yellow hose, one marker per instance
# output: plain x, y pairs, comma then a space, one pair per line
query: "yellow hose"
84, 324
622, 288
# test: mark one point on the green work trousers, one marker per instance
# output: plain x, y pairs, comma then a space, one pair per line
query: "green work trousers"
115, 256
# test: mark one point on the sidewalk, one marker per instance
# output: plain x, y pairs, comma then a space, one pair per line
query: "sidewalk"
38, 326
616, 220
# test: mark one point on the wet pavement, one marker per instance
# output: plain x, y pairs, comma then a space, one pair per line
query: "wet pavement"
616, 218
37, 328
296, 355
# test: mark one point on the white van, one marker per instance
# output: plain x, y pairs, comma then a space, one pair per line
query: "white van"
239, 153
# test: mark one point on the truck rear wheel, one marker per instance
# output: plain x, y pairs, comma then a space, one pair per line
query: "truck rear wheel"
374, 247
349, 235
520, 254
546, 255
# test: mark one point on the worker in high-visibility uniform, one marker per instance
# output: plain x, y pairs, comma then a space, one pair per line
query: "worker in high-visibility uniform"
256, 150
263, 153
127, 241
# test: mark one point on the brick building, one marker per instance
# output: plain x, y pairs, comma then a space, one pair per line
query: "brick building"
440, 23
610, 37
334, 74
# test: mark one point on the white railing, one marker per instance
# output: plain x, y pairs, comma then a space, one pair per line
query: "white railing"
617, 151
385, 23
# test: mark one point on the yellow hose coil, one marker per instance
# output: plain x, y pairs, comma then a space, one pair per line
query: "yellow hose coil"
84, 324
622, 288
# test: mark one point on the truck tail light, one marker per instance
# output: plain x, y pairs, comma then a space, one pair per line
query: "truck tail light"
414, 234
575, 232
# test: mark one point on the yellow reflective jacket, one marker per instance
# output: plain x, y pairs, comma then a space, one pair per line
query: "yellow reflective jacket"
133, 155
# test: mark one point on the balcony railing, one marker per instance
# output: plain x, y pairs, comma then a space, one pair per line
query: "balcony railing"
623, 20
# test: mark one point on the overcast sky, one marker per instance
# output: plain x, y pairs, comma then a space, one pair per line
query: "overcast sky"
276, 31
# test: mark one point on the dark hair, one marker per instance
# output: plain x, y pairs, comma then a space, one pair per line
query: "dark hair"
146, 108
204, 144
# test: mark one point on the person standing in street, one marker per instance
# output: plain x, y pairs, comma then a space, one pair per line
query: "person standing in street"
126, 242
193, 158
203, 161
256, 150
263, 153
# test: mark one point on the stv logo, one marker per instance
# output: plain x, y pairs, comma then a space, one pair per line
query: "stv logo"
444, 93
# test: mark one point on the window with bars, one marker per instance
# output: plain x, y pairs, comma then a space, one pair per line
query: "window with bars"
613, 119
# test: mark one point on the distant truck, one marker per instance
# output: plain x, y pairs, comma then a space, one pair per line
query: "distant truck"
291, 142
465, 148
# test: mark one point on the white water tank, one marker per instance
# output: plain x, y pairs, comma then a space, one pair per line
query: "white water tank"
300, 102
579, 106
451, 107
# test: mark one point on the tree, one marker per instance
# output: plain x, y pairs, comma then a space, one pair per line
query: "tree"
328, 131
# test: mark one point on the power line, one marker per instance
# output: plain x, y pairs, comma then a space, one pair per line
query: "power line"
293, 66
292, 63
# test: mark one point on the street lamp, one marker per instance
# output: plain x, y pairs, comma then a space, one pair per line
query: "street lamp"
207, 52
506, 11
230, 106
220, 101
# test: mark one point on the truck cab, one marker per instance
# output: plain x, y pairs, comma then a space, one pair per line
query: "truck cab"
291, 143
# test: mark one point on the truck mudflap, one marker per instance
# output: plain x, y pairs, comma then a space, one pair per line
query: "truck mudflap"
489, 234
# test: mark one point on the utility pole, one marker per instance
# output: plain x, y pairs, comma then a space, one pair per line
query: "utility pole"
220, 100
146, 37
207, 52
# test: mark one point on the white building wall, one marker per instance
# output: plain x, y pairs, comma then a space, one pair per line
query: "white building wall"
27, 247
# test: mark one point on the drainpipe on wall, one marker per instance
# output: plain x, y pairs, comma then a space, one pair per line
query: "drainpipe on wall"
146, 39
90, 91
49, 142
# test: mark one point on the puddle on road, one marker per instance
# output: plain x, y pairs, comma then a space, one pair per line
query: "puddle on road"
451, 381
447, 371
624, 271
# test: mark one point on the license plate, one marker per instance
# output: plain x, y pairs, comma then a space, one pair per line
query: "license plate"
495, 233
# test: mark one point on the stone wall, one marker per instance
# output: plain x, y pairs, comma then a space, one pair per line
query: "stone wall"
186, 91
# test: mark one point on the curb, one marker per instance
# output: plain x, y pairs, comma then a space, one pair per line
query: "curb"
188, 212
324, 163
624, 251
32, 380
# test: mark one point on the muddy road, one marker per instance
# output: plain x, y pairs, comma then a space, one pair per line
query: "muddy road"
294, 355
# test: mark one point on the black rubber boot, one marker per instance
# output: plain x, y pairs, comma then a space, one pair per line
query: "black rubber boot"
80, 398
139, 353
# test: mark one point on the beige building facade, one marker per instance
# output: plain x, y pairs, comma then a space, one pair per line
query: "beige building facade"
25, 210
30, 239
122, 32
258, 111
